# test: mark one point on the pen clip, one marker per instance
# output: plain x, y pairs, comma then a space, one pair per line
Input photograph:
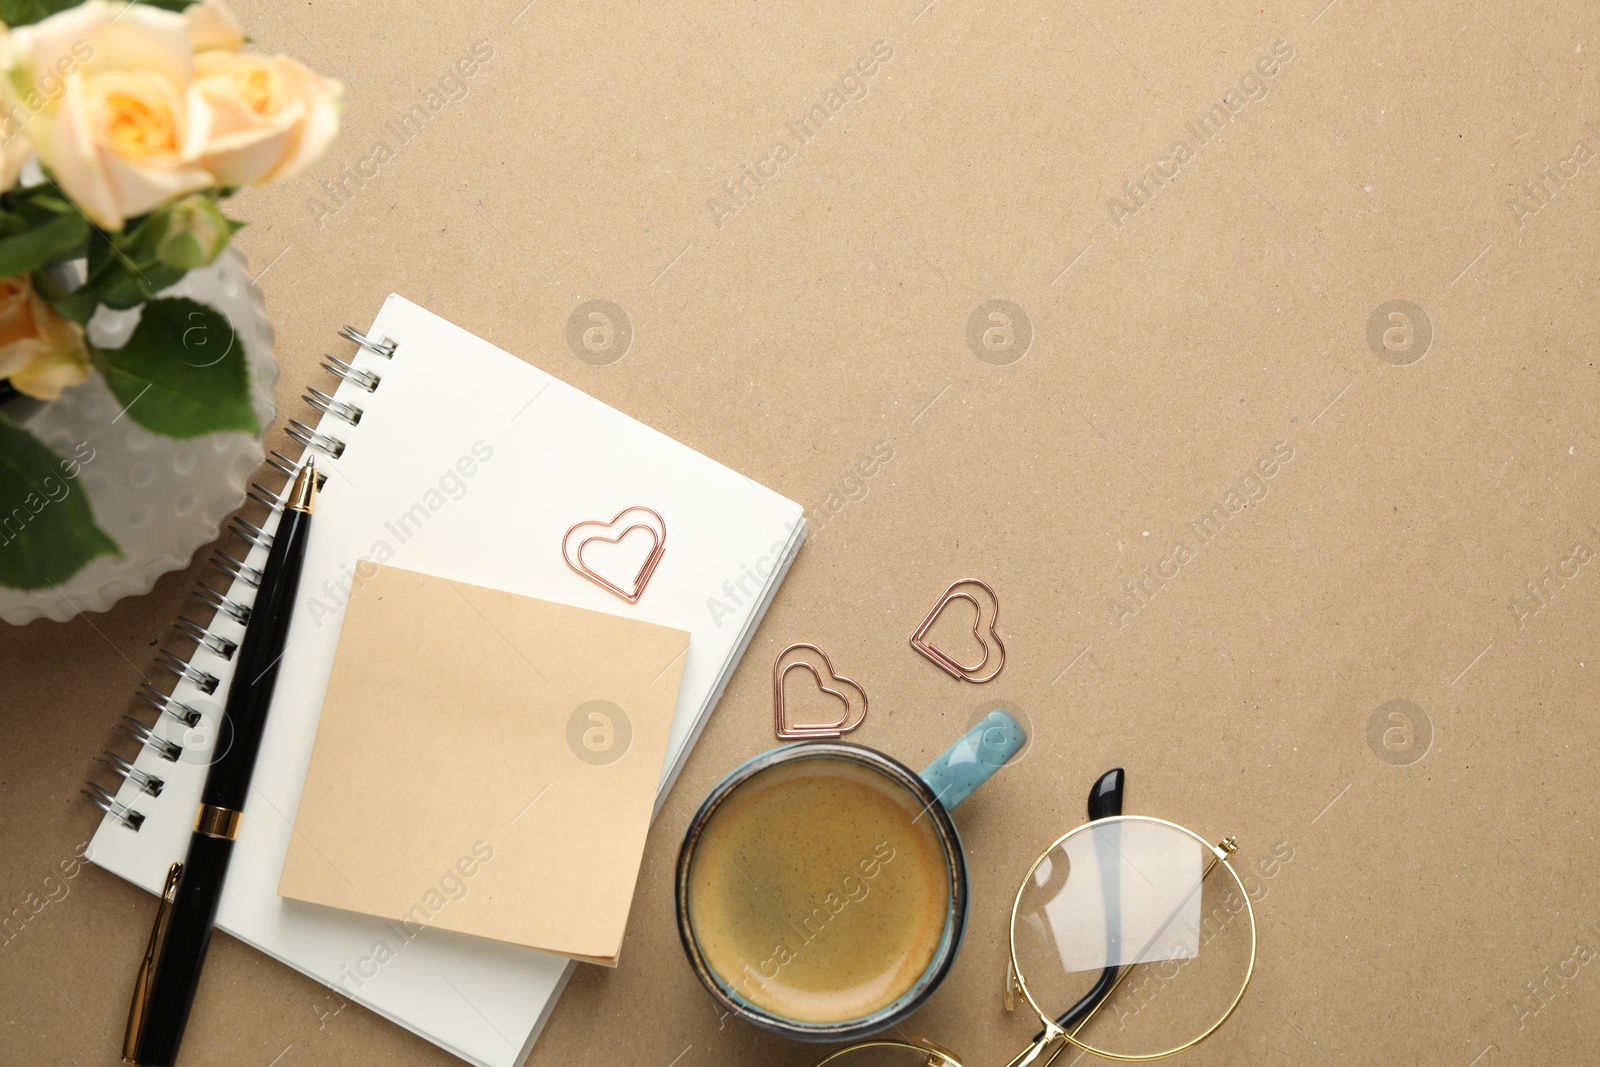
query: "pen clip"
143, 984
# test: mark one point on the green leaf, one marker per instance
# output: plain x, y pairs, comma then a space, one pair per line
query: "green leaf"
100, 254
29, 250
126, 284
47, 529
51, 202
76, 304
22, 12
183, 372
46, 195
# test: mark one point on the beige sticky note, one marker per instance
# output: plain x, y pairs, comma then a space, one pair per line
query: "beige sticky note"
486, 763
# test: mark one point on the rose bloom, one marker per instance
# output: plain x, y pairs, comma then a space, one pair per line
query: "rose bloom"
40, 351
255, 119
103, 87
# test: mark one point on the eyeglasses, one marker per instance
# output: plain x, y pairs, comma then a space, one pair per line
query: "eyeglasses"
1132, 938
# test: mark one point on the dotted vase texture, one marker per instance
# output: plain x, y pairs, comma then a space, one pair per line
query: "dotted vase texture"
159, 499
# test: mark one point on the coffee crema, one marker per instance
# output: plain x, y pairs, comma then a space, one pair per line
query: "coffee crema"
819, 891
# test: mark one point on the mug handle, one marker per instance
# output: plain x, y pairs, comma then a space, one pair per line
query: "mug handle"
969, 762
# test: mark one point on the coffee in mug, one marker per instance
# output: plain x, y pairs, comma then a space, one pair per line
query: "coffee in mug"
820, 890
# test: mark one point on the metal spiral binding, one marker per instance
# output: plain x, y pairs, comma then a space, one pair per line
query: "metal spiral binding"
280, 462
208, 637
207, 683
112, 806
168, 705
202, 636
236, 568
359, 378
147, 783
382, 348
149, 738
337, 408
240, 613
331, 447
250, 533
264, 496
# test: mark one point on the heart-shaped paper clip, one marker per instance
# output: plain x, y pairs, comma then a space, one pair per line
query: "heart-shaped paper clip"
943, 660
658, 534
846, 722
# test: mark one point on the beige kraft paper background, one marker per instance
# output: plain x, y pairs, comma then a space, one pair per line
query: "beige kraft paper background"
1246, 349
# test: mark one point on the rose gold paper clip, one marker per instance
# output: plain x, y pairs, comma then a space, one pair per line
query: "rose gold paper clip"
657, 532
943, 660
810, 731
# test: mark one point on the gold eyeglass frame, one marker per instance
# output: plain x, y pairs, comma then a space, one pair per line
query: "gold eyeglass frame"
1053, 1033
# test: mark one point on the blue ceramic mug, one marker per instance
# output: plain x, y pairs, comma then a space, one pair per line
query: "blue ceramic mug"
822, 888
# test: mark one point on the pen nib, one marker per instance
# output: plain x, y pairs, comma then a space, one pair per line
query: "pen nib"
303, 493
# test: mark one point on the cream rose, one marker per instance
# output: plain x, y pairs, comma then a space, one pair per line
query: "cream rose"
103, 86
254, 119
41, 351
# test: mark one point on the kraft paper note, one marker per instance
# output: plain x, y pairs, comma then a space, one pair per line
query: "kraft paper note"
486, 763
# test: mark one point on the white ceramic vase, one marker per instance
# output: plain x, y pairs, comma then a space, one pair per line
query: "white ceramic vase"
160, 499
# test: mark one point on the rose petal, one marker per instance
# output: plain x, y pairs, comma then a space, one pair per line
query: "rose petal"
52, 372
53, 357
122, 37
244, 158
74, 159
17, 355
212, 26
324, 102
145, 186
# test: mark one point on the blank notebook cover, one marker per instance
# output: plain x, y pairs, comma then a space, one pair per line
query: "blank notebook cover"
470, 462
486, 763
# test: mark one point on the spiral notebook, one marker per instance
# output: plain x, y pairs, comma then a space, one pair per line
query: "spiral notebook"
445, 455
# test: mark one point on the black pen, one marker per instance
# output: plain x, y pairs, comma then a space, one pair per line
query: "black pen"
170, 972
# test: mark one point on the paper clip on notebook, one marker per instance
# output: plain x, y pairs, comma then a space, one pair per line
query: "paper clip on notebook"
657, 530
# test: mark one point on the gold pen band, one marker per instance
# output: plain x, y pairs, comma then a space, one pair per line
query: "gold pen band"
217, 822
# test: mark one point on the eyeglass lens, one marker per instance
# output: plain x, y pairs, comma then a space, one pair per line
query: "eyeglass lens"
1122, 921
